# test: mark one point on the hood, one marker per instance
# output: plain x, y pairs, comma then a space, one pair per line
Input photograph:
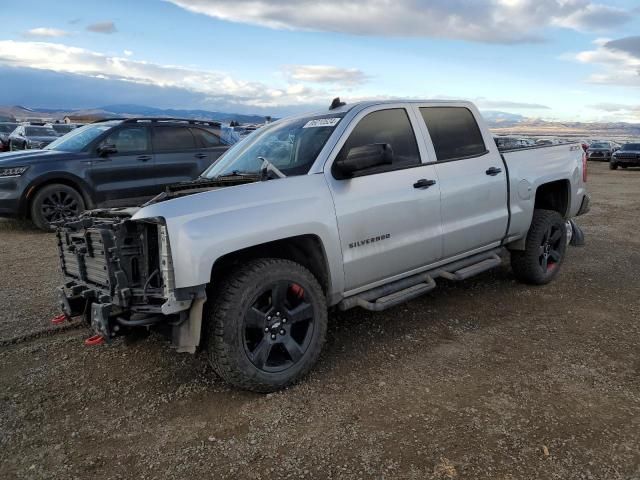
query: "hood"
629, 150
603, 149
31, 157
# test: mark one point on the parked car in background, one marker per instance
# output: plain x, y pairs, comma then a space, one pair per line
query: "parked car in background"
25, 137
6, 128
601, 150
514, 142
62, 128
105, 164
626, 156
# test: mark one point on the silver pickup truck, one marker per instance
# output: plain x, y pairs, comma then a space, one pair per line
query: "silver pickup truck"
361, 205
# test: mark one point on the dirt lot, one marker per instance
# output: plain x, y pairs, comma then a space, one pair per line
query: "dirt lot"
482, 379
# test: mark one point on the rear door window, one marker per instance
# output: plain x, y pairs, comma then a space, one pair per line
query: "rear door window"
173, 139
390, 126
454, 132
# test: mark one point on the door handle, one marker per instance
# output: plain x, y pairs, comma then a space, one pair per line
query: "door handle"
144, 158
493, 171
200, 155
423, 183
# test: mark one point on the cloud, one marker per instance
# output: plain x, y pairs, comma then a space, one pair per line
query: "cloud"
484, 103
46, 32
128, 53
618, 61
325, 74
494, 21
210, 84
630, 45
621, 112
102, 27
593, 17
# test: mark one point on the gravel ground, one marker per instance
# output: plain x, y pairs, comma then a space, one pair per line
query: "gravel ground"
486, 378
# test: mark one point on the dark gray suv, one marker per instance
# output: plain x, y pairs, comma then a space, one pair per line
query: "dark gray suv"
120, 162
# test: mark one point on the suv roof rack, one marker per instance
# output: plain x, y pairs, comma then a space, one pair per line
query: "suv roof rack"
190, 121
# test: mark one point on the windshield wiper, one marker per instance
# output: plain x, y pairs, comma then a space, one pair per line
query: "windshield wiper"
267, 168
235, 173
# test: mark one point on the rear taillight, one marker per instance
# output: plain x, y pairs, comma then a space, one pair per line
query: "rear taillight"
584, 167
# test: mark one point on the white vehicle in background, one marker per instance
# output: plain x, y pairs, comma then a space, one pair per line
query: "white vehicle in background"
362, 205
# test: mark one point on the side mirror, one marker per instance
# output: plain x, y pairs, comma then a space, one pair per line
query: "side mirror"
107, 149
363, 157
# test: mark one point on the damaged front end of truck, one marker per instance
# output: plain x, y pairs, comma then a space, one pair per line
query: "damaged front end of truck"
119, 277
118, 272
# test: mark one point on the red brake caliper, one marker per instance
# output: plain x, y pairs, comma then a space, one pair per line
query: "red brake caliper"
297, 290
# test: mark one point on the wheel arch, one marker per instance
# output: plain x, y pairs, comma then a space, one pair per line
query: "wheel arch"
307, 250
554, 196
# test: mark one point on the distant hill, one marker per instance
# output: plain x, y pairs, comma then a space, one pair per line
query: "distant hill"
501, 118
128, 110
502, 123
538, 128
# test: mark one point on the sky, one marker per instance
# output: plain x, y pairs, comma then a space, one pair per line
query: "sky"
566, 60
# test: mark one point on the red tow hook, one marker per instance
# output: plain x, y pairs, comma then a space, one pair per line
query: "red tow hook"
95, 340
59, 319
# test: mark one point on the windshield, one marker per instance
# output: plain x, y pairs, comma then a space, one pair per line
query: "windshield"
599, 145
78, 139
7, 128
40, 132
62, 128
290, 145
631, 146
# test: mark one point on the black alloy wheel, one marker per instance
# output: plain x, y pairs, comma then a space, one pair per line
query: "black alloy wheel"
54, 203
544, 250
278, 327
58, 206
265, 324
549, 250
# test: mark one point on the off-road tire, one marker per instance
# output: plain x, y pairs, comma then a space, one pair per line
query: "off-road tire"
224, 317
37, 215
613, 166
526, 264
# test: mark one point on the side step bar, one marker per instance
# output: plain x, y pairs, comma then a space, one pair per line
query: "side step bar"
398, 297
472, 270
405, 289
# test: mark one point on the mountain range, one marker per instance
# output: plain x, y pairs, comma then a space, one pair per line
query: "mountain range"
502, 123
127, 110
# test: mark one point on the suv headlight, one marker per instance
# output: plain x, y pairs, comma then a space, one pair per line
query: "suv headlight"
12, 171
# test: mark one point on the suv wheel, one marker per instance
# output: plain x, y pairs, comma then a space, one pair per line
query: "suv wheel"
53, 203
544, 251
266, 325
613, 166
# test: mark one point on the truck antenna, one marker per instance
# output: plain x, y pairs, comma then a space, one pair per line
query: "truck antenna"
336, 104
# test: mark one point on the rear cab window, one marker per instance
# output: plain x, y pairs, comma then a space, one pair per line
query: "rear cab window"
454, 132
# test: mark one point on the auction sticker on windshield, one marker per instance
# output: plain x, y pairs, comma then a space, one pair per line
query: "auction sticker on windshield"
322, 122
